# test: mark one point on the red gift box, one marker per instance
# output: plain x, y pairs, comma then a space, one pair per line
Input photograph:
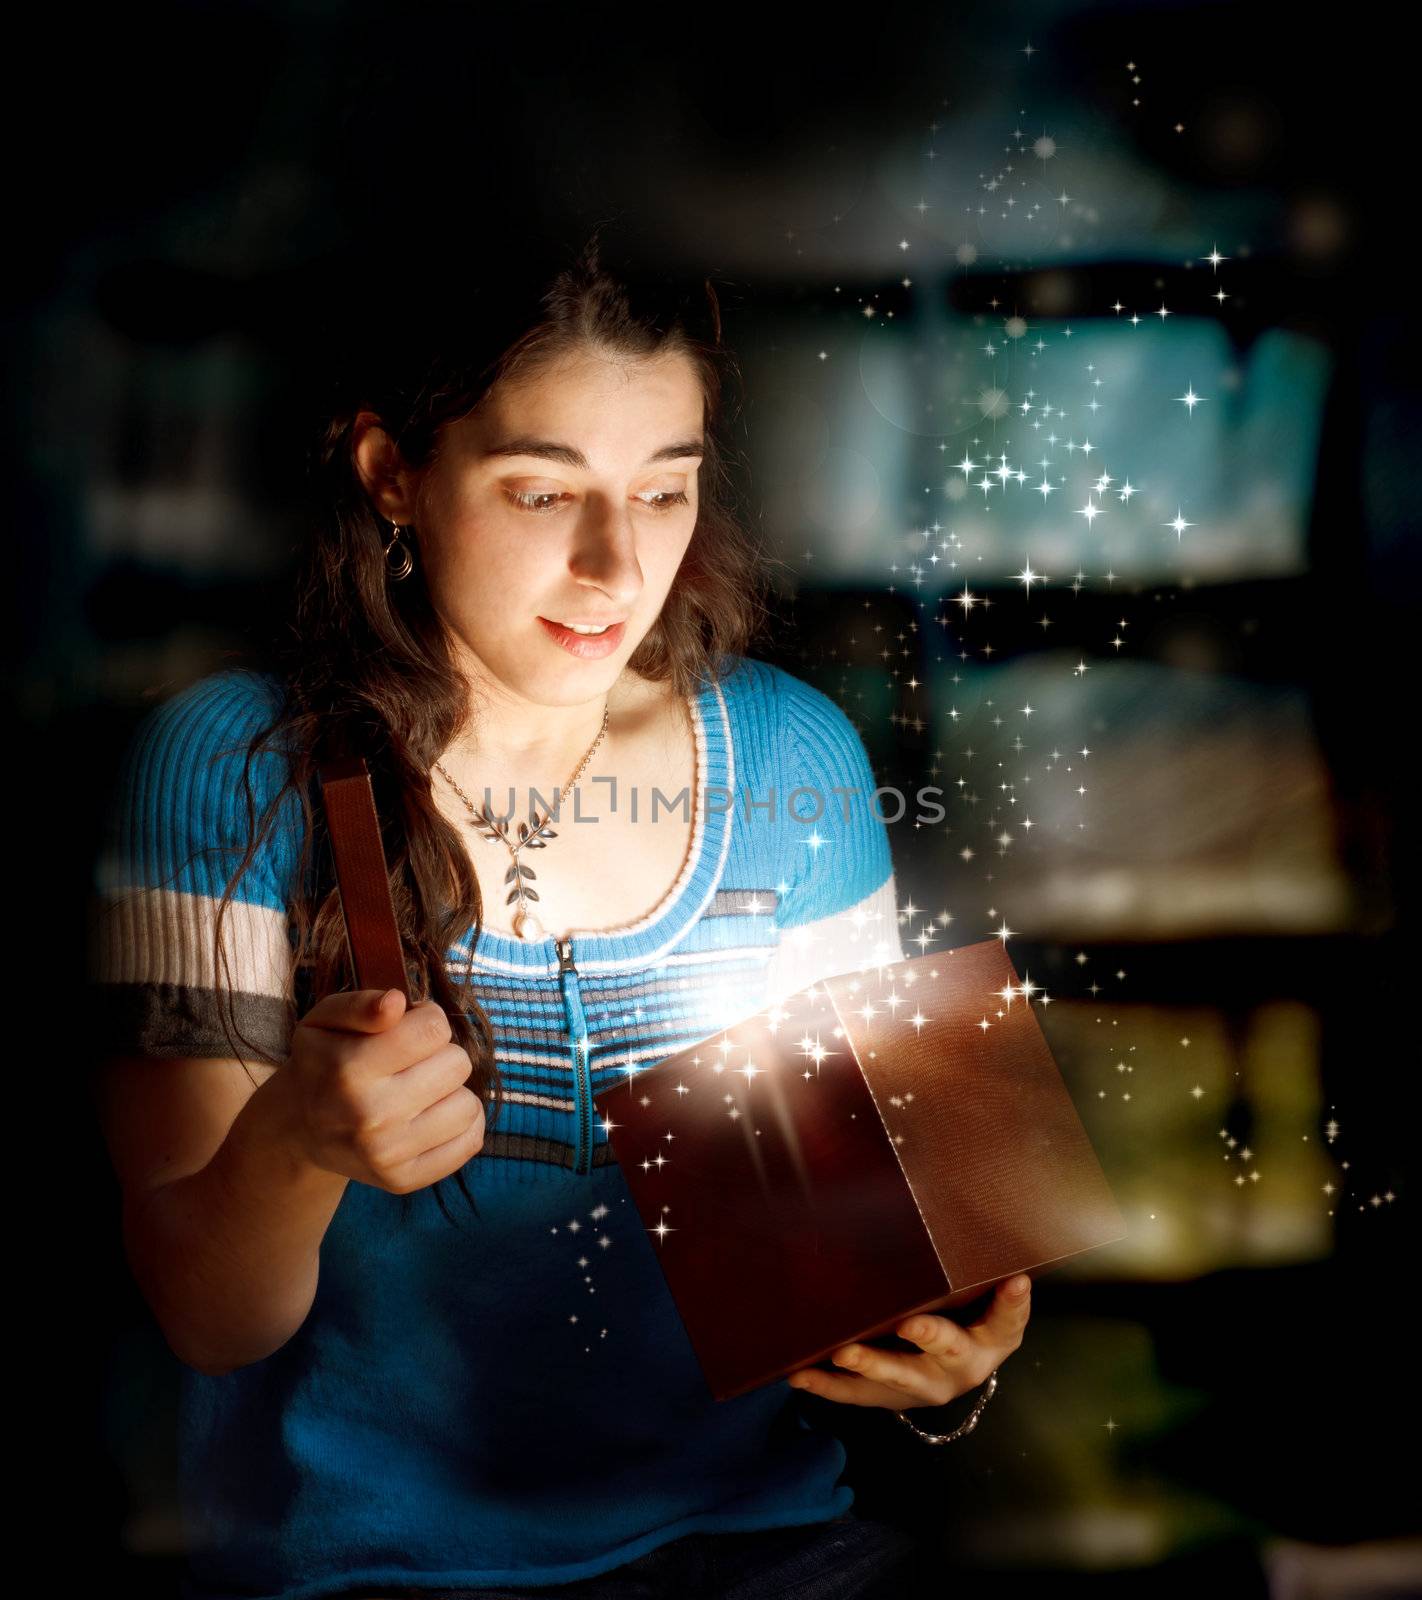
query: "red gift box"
881, 1143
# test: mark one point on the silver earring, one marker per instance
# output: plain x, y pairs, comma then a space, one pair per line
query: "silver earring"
404, 564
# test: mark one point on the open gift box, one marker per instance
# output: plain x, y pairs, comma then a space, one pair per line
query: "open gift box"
881, 1143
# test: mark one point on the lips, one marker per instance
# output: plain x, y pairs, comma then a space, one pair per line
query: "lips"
590, 646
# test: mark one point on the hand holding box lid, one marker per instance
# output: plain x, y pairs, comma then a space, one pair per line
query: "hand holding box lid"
882, 1143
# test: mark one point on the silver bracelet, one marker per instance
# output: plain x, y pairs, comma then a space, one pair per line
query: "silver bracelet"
966, 1426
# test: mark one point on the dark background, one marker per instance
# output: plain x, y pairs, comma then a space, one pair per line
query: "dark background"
1229, 1399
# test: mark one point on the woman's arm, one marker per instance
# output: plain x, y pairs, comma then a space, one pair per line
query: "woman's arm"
223, 1216
228, 1189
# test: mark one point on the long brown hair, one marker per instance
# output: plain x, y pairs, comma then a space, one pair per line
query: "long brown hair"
365, 664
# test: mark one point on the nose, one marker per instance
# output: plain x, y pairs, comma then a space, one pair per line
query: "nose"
604, 557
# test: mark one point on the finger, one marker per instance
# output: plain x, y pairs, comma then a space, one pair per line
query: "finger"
939, 1336
403, 1048
445, 1120
357, 1010
1000, 1327
869, 1376
444, 1159
849, 1390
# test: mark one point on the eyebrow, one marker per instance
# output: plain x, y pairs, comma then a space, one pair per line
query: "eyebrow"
548, 450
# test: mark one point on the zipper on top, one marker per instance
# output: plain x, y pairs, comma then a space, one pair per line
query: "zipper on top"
582, 1068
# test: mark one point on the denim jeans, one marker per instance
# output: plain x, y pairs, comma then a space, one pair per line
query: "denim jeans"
849, 1558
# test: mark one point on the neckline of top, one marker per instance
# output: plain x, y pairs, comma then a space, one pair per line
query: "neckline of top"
640, 943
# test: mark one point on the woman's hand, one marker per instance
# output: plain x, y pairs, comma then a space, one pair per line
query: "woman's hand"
956, 1357
380, 1094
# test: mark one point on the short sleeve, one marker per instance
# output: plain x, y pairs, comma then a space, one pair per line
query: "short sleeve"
174, 830
836, 906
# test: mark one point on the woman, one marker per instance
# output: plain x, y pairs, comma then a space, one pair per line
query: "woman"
380, 1394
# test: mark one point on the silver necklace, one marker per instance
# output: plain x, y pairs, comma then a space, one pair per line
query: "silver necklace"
532, 835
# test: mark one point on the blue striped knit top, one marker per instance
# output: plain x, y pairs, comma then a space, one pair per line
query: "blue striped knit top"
512, 1399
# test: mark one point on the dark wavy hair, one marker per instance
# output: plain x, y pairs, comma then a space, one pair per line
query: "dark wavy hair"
365, 664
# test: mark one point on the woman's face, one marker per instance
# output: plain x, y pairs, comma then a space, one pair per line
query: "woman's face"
569, 497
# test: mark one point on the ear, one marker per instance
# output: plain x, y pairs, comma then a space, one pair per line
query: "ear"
388, 482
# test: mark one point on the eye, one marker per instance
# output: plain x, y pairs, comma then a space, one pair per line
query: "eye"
529, 502
668, 499
664, 500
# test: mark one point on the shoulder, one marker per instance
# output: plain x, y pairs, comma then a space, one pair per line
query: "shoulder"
812, 730
203, 728
232, 701
204, 717
755, 687
179, 796
787, 733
